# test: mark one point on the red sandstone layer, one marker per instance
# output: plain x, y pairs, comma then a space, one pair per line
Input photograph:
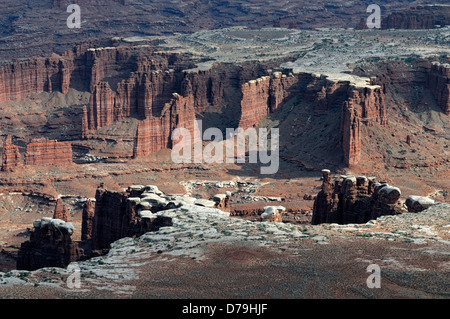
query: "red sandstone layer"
11, 156
48, 152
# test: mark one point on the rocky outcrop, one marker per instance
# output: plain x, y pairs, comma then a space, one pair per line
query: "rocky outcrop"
354, 200
438, 81
10, 156
154, 133
416, 204
50, 245
121, 214
222, 201
43, 151
61, 211
326, 94
273, 214
116, 215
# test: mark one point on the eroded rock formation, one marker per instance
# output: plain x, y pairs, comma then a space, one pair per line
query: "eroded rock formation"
50, 245
21, 79
222, 201
264, 95
87, 220
42, 151
438, 81
409, 20
10, 156
154, 133
416, 204
121, 214
273, 214
61, 211
116, 215
364, 106
354, 200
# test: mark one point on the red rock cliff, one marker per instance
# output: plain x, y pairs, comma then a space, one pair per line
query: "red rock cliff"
50, 245
154, 133
351, 199
438, 82
21, 79
43, 151
411, 19
10, 156
365, 106
117, 215
264, 95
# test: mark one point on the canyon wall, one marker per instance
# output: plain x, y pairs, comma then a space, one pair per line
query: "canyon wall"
134, 81
438, 81
354, 200
154, 133
263, 96
418, 17
325, 94
410, 19
19, 80
364, 106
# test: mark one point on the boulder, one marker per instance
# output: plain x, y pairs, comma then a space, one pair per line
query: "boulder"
273, 214
416, 204
205, 203
389, 194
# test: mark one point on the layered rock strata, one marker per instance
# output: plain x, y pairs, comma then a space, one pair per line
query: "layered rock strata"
40, 151
263, 96
11, 156
155, 133
87, 220
354, 200
411, 19
438, 81
21, 79
364, 106
124, 214
43, 151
